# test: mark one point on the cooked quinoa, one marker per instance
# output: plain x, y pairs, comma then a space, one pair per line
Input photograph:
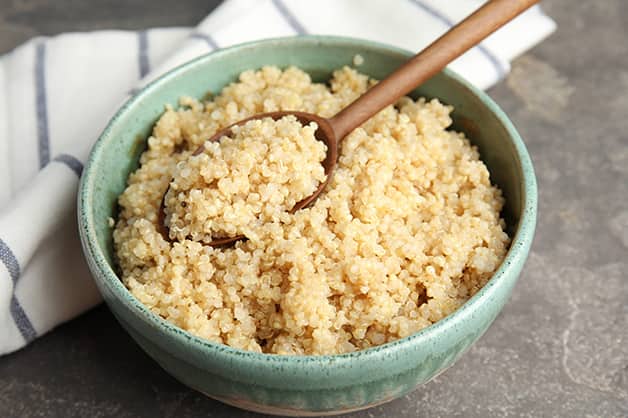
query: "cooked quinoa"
406, 231
244, 181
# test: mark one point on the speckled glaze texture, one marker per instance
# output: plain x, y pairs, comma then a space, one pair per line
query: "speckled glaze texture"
300, 385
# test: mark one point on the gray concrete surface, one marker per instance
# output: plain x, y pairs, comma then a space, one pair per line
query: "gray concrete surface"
559, 348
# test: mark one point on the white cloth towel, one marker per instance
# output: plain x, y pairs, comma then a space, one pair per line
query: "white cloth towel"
57, 94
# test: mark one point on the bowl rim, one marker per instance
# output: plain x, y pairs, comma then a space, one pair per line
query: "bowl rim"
516, 255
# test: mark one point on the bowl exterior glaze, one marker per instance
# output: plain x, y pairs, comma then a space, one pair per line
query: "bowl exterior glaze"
301, 385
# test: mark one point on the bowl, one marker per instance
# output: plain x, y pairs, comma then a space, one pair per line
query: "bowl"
303, 385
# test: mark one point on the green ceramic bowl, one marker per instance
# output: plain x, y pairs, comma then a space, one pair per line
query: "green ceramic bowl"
302, 385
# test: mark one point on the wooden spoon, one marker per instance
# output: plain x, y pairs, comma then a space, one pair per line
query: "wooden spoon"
460, 38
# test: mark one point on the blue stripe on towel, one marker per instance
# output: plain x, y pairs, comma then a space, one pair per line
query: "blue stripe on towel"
22, 322
43, 136
289, 17
72, 162
142, 48
10, 262
499, 67
211, 42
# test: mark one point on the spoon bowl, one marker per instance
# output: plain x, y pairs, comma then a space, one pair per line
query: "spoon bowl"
324, 133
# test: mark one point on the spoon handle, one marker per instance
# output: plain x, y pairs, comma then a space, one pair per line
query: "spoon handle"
460, 38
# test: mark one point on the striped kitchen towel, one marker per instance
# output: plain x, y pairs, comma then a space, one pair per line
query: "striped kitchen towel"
57, 94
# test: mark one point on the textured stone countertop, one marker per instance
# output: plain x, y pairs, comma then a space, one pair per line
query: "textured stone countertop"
560, 346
